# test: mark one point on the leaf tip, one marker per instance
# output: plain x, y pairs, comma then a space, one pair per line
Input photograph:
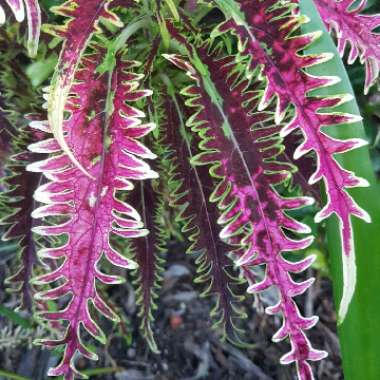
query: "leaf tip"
349, 285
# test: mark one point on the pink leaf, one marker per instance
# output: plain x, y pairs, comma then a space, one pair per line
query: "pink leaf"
267, 35
33, 13
240, 146
355, 32
92, 208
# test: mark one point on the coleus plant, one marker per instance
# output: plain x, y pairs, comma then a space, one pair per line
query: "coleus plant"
192, 143
31, 9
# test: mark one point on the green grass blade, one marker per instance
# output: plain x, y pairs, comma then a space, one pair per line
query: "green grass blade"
16, 318
360, 333
12, 376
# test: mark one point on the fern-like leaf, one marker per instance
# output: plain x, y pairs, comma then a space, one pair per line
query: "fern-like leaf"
84, 17
241, 147
267, 33
6, 134
356, 32
18, 200
148, 252
102, 131
190, 188
33, 13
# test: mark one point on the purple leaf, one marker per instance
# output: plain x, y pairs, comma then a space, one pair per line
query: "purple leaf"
356, 32
84, 17
241, 147
190, 188
148, 252
266, 31
304, 167
106, 142
33, 13
18, 200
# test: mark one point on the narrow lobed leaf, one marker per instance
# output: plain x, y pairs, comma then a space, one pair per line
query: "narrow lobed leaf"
190, 187
267, 32
18, 200
355, 32
149, 253
241, 146
103, 132
84, 17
